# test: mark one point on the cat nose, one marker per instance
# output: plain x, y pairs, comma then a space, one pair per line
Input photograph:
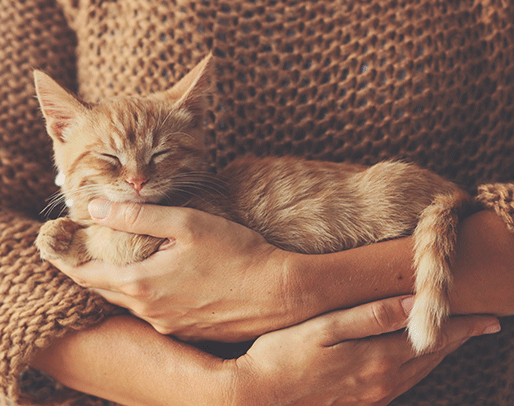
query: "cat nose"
137, 183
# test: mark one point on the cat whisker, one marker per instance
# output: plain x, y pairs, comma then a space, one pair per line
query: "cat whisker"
52, 205
201, 186
189, 192
59, 198
197, 183
166, 118
208, 179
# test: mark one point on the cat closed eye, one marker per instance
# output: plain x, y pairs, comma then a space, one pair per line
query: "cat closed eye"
160, 153
113, 158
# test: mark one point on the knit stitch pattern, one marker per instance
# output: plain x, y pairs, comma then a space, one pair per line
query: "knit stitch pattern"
38, 303
425, 81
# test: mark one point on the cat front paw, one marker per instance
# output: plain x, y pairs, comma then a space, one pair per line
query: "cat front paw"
55, 238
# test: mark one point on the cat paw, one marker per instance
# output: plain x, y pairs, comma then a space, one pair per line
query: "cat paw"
55, 238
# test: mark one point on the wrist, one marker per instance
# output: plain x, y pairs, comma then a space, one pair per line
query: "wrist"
303, 292
248, 388
272, 286
321, 283
483, 270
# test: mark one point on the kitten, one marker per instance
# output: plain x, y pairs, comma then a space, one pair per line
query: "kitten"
150, 150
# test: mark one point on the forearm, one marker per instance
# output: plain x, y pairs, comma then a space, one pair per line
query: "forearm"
483, 272
127, 361
231, 285
484, 267
320, 283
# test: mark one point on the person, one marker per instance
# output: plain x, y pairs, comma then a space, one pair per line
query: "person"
220, 280
325, 80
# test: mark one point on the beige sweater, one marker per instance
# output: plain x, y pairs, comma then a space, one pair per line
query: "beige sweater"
431, 82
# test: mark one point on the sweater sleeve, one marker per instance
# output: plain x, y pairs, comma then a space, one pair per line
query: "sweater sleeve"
38, 305
500, 198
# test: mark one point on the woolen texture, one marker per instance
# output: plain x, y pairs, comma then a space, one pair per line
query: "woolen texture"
425, 81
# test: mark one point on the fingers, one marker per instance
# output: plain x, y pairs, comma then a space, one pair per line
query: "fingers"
389, 315
455, 332
460, 328
100, 275
117, 298
370, 319
148, 219
121, 286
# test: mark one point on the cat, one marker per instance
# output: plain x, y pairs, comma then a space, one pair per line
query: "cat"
150, 150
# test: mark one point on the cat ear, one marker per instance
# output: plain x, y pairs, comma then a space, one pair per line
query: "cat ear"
189, 91
60, 108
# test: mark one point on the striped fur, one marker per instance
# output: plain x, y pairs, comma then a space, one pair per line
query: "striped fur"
149, 149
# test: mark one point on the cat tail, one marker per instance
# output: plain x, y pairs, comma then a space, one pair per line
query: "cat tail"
435, 238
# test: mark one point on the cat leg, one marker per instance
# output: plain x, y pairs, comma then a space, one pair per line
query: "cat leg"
435, 238
66, 240
118, 247
62, 239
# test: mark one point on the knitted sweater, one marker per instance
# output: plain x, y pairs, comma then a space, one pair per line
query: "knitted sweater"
425, 81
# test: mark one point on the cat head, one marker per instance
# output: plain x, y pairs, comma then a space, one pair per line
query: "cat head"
127, 149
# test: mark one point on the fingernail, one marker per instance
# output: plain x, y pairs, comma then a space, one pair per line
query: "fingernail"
407, 304
492, 328
99, 209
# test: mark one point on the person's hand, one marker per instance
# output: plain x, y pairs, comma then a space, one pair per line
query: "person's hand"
324, 361
218, 280
328, 361
211, 281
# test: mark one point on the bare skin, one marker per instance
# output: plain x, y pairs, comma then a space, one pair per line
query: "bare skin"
365, 274
327, 359
219, 280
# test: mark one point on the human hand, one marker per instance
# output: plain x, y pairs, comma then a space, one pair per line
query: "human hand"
326, 360
215, 279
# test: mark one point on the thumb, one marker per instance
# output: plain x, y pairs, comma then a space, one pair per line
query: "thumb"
147, 219
370, 319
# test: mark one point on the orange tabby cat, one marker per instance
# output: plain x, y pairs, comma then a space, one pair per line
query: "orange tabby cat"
150, 149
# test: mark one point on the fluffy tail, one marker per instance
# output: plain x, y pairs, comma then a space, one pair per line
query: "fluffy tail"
435, 237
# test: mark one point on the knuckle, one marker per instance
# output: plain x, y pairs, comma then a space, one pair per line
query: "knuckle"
381, 315
324, 330
188, 224
382, 368
137, 290
442, 342
132, 214
144, 311
161, 329
191, 225
382, 390
380, 380
82, 282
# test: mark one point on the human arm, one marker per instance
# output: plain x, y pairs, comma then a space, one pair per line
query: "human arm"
219, 280
483, 270
127, 361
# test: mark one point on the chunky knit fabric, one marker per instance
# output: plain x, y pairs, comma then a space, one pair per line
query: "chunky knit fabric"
426, 81
38, 304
